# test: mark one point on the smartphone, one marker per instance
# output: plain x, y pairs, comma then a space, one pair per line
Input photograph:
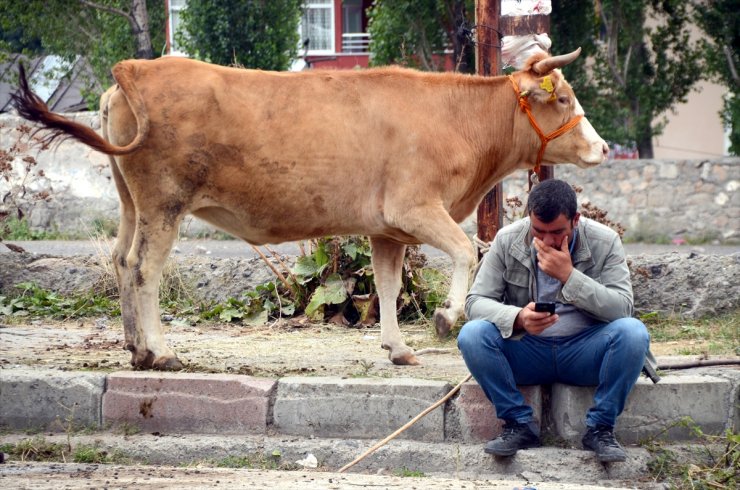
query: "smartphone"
545, 307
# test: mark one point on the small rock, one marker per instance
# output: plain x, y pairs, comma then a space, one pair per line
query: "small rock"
309, 461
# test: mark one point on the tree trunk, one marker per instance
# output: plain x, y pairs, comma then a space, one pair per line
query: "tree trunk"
645, 144
140, 28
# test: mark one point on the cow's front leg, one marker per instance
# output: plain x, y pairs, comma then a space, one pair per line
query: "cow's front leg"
434, 226
387, 259
151, 246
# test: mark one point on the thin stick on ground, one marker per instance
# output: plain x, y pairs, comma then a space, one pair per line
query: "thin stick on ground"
405, 426
272, 268
283, 264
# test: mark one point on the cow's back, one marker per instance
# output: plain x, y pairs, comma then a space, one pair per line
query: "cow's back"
283, 156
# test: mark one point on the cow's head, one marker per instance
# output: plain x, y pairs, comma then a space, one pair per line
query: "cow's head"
566, 134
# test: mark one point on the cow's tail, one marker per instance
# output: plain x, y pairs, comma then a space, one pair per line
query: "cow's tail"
31, 107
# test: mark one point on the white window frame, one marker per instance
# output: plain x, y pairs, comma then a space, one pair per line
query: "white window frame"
313, 5
171, 27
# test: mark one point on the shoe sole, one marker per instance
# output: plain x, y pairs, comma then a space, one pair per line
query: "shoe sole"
510, 453
606, 459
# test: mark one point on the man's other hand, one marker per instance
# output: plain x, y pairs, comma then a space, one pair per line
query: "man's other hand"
534, 322
553, 261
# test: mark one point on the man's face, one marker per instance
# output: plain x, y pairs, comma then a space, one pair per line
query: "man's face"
553, 233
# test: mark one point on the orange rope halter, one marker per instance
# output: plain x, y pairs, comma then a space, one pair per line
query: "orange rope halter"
545, 138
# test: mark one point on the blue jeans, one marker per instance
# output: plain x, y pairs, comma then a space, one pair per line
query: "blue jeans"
609, 356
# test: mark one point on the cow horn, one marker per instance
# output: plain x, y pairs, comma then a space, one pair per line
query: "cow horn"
548, 64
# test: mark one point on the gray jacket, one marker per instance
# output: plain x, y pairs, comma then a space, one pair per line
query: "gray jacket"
600, 284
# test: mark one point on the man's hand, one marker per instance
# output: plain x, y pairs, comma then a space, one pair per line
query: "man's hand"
555, 262
533, 322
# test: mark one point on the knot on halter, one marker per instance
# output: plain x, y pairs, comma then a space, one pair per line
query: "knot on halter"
522, 97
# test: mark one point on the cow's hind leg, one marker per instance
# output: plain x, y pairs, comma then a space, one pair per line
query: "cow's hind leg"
387, 259
434, 226
151, 245
126, 228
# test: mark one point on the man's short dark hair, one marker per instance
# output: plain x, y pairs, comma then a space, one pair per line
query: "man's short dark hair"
551, 198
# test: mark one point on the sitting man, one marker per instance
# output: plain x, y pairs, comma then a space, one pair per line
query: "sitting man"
554, 256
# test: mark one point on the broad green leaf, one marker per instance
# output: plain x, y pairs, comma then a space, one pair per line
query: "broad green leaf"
229, 314
257, 318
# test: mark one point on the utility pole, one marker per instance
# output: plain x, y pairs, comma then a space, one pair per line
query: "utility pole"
488, 63
491, 26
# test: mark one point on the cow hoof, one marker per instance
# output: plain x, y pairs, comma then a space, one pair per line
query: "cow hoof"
405, 359
441, 323
168, 364
142, 361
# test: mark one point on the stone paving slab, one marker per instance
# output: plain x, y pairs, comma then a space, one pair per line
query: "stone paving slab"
472, 418
50, 399
652, 408
359, 407
188, 402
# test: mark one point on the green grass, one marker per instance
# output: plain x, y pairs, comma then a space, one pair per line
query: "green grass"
407, 473
717, 335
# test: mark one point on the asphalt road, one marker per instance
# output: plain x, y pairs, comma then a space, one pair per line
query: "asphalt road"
238, 248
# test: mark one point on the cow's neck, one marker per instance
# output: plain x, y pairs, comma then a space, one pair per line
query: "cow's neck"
493, 135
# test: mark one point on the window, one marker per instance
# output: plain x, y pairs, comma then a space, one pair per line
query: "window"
317, 26
175, 7
354, 37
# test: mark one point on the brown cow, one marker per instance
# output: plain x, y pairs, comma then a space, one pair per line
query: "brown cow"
395, 154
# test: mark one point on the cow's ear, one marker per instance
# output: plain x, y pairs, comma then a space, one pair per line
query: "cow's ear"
542, 89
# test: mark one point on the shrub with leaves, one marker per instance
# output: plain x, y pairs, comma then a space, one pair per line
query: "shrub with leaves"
333, 281
21, 183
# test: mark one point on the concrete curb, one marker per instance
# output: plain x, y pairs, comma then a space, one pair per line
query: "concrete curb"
332, 407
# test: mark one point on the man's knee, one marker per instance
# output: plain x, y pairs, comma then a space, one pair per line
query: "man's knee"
631, 331
475, 332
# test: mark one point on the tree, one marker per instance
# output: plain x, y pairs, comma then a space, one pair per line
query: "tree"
416, 32
250, 33
721, 22
103, 31
640, 69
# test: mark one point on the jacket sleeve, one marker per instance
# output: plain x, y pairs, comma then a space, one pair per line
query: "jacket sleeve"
608, 298
486, 296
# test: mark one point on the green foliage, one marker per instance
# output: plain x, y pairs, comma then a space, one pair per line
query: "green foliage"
36, 302
90, 454
35, 449
416, 33
716, 465
19, 229
640, 71
253, 308
70, 29
334, 282
251, 34
720, 21
407, 473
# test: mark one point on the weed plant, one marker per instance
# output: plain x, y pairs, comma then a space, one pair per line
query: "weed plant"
712, 463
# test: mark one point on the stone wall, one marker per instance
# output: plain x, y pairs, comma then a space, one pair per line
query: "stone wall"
692, 200
655, 200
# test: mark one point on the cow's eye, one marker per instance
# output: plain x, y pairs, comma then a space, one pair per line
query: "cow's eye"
563, 100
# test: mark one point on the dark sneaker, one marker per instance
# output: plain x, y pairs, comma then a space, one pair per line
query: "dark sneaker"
601, 440
514, 437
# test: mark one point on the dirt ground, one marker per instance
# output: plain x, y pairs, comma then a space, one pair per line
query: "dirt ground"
287, 348
50, 475
276, 350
